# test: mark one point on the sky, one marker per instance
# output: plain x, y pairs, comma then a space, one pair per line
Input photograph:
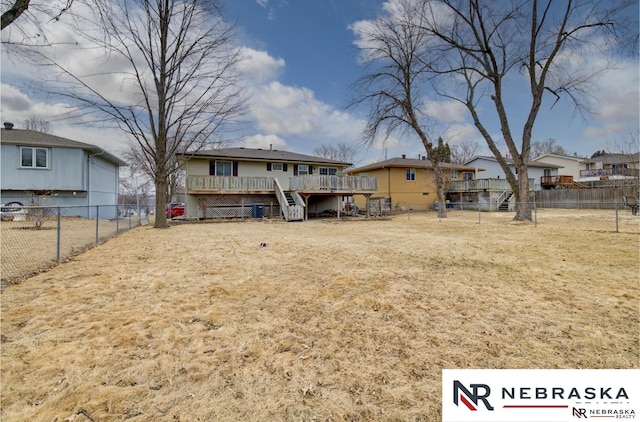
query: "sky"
300, 60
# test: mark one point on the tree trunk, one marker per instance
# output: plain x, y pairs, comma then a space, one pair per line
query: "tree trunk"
523, 204
442, 205
161, 202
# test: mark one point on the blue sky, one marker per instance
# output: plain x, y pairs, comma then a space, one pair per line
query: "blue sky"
300, 60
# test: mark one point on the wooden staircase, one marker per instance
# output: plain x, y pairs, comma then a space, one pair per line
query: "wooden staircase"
289, 197
504, 205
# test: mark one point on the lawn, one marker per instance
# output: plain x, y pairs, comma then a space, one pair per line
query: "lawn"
329, 320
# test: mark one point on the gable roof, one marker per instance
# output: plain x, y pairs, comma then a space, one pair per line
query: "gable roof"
34, 138
532, 164
564, 157
258, 154
407, 163
615, 158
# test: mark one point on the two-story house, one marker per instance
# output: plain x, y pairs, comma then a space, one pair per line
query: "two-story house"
243, 182
69, 173
607, 167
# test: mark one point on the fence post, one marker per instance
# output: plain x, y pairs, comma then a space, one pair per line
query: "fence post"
117, 220
58, 237
535, 214
97, 215
616, 202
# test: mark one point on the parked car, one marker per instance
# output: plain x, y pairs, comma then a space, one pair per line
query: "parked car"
10, 210
174, 210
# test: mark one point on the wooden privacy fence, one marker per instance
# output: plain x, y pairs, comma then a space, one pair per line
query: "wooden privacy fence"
583, 198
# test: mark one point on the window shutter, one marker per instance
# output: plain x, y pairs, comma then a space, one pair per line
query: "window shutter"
268, 166
284, 167
295, 169
310, 169
212, 168
235, 168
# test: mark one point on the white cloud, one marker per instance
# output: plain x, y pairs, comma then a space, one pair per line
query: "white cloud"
265, 142
446, 111
259, 66
287, 110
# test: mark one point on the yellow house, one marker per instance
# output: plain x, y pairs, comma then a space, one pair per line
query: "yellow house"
406, 183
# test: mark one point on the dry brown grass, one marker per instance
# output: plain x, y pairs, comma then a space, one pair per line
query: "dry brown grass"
330, 321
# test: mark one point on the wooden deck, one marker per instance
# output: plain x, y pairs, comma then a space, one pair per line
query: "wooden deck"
560, 182
309, 184
483, 185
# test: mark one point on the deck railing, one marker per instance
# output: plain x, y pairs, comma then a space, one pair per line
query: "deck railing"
334, 183
489, 185
230, 183
617, 171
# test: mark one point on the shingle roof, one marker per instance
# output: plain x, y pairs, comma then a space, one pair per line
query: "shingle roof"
614, 158
509, 161
263, 155
34, 138
407, 163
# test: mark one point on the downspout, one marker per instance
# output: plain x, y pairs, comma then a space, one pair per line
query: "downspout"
89, 180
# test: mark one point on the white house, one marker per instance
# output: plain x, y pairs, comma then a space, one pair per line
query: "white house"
493, 170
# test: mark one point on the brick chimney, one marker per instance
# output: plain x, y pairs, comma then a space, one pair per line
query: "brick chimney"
8, 125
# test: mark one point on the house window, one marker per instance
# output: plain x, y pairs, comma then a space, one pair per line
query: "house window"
467, 175
454, 174
224, 168
276, 167
34, 158
328, 171
411, 174
303, 169
547, 172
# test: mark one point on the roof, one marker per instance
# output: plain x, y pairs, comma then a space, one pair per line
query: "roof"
565, 157
259, 154
408, 163
615, 158
532, 164
28, 137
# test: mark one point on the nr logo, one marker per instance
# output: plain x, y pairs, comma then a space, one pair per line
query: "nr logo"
470, 398
580, 413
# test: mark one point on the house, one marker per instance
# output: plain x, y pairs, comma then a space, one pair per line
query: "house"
66, 172
409, 183
492, 191
610, 167
243, 182
493, 170
569, 171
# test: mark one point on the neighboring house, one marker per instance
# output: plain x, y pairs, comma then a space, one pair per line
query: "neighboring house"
536, 171
408, 182
242, 182
491, 191
610, 167
68, 173
568, 174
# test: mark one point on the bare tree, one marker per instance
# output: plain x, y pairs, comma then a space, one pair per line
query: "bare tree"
178, 68
479, 49
340, 152
12, 10
464, 151
392, 47
549, 146
38, 123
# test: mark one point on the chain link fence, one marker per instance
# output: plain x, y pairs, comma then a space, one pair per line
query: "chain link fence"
34, 238
620, 217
